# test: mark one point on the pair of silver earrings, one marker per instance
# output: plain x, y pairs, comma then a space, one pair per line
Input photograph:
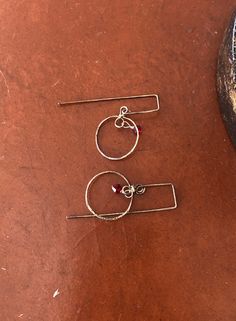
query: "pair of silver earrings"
122, 120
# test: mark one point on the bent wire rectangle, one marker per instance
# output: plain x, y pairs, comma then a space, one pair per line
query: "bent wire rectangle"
74, 102
152, 210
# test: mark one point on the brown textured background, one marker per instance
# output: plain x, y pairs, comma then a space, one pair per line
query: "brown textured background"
176, 266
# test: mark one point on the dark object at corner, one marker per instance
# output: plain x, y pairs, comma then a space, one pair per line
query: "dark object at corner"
226, 79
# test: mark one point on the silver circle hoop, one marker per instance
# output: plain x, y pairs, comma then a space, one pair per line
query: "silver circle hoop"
125, 123
87, 201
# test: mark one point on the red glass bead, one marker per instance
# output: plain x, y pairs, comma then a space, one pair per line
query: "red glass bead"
116, 188
139, 129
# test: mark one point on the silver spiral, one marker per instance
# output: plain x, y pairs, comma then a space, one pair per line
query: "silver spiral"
129, 190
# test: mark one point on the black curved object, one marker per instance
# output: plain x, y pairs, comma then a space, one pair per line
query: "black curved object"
226, 78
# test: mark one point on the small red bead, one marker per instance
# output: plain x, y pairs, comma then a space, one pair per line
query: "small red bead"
139, 129
116, 188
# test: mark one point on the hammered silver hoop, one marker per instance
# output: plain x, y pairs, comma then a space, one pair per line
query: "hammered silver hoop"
87, 202
124, 120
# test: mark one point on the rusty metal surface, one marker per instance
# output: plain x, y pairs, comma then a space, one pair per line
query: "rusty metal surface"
177, 266
226, 78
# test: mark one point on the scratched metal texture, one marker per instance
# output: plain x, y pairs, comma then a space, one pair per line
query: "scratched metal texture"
176, 266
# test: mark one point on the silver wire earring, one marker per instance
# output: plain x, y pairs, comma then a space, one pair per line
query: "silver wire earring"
128, 191
120, 121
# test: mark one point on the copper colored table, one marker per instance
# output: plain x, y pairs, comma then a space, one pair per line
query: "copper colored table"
172, 266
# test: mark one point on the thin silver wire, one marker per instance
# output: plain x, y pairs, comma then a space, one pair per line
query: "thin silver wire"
144, 186
87, 201
75, 102
124, 111
129, 120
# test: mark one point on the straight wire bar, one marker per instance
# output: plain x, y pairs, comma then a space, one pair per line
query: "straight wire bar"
172, 207
85, 101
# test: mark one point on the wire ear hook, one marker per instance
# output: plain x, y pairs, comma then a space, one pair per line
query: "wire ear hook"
87, 101
120, 121
128, 191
